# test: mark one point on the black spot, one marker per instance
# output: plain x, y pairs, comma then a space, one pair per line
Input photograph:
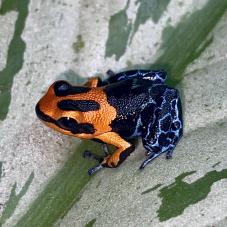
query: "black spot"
63, 88
158, 81
42, 115
166, 123
147, 115
79, 105
158, 90
163, 140
73, 126
171, 135
173, 113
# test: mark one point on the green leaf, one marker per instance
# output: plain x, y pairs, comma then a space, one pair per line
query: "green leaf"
180, 46
62, 191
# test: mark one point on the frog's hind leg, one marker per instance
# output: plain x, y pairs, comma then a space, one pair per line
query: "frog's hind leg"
166, 128
157, 76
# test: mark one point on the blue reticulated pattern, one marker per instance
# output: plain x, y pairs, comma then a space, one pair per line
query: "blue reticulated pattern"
165, 129
147, 108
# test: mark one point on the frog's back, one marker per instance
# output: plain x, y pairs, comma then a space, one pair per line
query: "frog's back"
128, 98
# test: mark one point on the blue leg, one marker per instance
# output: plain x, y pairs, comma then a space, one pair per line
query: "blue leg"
157, 76
166, 128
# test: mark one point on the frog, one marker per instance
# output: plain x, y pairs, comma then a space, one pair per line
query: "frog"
129, 104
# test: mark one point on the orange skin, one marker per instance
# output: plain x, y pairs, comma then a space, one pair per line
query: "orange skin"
100, 119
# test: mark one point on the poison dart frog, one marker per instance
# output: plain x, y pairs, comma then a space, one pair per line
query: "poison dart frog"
129, 104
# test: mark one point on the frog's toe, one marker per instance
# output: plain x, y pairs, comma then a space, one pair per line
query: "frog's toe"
105, 149
169, 154
149, 159
90, 155
93, 170
110, 73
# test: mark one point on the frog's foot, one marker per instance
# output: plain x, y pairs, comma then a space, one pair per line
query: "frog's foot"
150, 158
151, 155
93, 170
169, 154
102, 164
90, 155
164, 134
113, 160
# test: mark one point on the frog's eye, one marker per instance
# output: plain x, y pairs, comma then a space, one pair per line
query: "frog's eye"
62, 88
67, 123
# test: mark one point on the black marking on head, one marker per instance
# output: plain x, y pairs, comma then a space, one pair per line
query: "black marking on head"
86, 128
79, 105
43, 116
74, 127
66, 123
63, 88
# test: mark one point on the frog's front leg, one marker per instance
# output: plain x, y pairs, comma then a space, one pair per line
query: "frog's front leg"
165, 129
93, 82
124, 149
